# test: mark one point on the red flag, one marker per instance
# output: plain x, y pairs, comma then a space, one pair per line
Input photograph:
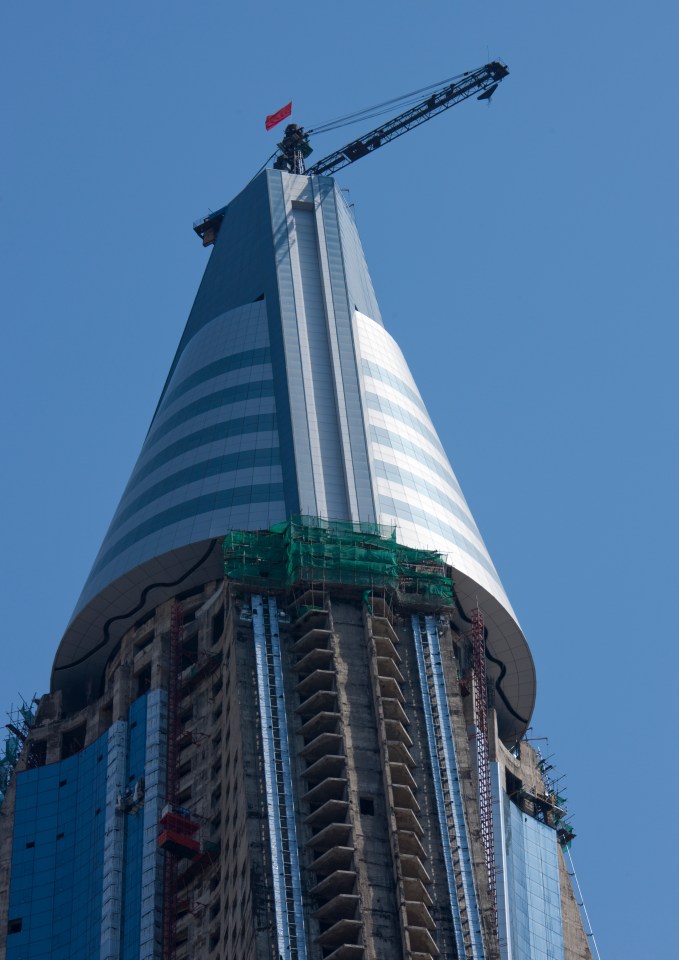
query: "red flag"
275, 118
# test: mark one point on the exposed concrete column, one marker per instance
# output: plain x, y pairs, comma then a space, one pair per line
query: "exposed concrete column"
342, 672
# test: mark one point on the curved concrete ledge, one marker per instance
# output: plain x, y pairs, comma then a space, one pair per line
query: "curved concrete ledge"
94, 632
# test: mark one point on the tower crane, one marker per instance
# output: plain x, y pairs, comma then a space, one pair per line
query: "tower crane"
295, 147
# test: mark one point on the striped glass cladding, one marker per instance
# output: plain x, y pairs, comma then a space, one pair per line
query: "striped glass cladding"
414, 485
211, 458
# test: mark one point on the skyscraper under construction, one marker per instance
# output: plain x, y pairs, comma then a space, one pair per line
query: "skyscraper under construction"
286, 717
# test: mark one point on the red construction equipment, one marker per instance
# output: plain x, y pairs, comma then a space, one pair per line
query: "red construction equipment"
482, 750
178, 836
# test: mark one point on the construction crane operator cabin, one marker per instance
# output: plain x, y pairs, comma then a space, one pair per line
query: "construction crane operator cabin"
287, 718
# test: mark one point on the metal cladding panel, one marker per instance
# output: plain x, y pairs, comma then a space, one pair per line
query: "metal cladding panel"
315, 286
359, 285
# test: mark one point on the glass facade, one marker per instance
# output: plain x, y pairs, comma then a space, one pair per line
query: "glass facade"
71, 896
415, 485
528, 888
211, 459
57, 858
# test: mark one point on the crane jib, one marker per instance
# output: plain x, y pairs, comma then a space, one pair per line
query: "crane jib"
482, 82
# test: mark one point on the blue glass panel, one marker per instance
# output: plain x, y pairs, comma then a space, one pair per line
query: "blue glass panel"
532, 879
220, 500
56, 885
213, 401
215, 467
235, 361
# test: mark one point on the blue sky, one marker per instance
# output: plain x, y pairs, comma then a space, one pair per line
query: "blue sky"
524, 255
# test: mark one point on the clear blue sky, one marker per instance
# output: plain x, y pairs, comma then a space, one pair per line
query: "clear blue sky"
525, 258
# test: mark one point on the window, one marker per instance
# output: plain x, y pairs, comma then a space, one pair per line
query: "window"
189, 652
186, 715
73, 741
37, 754
514, 785
184, 796
367, 806
14, 926
144, 681
217, 626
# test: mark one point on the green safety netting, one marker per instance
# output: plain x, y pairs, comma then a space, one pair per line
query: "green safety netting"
311, 549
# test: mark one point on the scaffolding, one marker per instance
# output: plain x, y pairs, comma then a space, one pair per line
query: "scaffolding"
177, 838
552, 807
21, 719
180, 836
482, 749
311, 550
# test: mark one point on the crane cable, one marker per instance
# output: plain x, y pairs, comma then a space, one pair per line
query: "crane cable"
266, 163
376, 109
581, 903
